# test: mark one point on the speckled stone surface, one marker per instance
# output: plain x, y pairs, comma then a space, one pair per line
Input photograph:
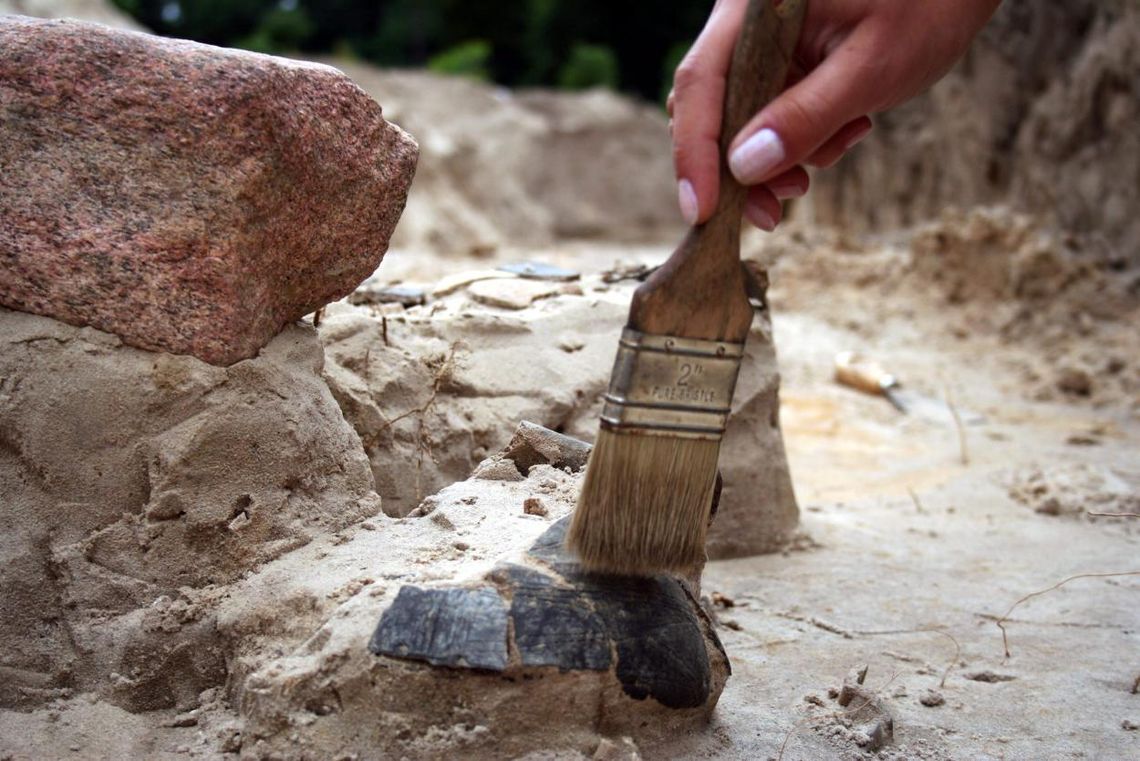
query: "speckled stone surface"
187, 198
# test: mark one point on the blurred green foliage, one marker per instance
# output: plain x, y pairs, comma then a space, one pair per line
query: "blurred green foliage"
562, 43
468, 59
280, 29
589, 66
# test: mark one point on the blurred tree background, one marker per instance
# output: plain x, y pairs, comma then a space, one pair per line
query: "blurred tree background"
572, 44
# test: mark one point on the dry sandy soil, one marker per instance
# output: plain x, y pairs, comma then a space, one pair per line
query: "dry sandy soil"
921, 532
925, 533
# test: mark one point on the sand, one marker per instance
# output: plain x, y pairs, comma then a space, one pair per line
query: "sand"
904, 536
152, 612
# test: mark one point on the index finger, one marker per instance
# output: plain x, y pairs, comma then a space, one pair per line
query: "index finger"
698, 100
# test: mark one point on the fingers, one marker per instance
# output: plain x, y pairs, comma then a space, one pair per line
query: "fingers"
820, 116
824, 113
841, 142
695, 106
762, 208
791, 184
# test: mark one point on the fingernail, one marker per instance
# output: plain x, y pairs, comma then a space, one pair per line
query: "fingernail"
787, 190
757, 157
687, 198
757, 216
854, 139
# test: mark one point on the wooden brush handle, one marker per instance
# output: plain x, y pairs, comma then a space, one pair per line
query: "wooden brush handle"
699, 292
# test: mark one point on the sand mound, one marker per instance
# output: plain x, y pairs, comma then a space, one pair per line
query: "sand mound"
133, 483
528, 168
988, 273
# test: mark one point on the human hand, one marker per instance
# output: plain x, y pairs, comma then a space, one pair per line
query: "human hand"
854, 58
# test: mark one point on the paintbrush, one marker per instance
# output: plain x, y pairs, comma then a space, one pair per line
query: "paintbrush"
645, 502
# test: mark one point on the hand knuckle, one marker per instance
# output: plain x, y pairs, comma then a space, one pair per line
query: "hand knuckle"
689, 75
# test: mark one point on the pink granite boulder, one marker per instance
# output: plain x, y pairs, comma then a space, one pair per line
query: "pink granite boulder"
187, 198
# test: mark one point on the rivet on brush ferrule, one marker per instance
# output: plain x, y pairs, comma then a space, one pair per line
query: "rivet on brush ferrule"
669, 386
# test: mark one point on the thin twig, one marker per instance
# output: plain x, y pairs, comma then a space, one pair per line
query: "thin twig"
818, 623
1136, 686
1115, 515
1000, 622
914, 498
442, 374
931, 629
853, 633
963, 451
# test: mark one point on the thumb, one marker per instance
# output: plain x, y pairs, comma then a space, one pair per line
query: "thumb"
805, 116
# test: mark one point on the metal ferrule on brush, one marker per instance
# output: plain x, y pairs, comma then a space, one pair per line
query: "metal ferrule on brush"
669, 386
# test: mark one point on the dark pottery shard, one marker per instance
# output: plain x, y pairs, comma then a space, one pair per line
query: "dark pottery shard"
660, 647
445, 627
550, 549
554, 625
650, 631
540, 271
405, 295
652, 622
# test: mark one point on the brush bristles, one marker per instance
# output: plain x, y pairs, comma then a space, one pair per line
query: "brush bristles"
644, 506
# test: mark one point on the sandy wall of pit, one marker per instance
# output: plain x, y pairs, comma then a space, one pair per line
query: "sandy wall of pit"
1040, 114
133, 481
434, 390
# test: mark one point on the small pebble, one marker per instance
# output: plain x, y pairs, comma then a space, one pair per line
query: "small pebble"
570, 344
1082, 440
1073, 380
534, 506
931, 698
723, 600
1129, 725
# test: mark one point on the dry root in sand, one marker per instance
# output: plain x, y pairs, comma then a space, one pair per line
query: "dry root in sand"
1004, 618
